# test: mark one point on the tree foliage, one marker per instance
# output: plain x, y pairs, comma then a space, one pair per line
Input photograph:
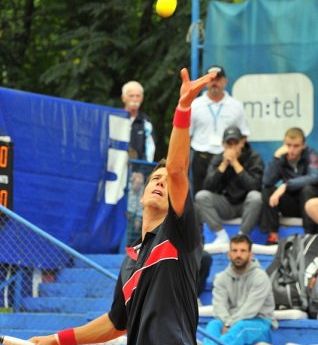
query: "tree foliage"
85, 50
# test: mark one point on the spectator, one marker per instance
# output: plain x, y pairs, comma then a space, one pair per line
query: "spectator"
134, 209
232, 186
142, 145
205, 265
155, 299
311, 208
243, 301
211, 114
287, 184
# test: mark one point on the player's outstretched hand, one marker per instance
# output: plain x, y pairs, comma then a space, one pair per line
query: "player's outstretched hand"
191, 88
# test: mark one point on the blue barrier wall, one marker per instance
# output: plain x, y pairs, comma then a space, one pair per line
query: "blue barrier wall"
70, 167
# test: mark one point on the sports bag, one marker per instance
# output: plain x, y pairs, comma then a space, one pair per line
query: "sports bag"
311, 275
290, 271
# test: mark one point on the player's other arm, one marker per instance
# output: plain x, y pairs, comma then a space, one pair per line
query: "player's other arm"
179, 145
99, 330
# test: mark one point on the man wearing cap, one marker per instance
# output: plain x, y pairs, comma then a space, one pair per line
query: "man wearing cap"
212, 112
232, 186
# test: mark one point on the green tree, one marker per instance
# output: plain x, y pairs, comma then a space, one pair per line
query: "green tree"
85, 50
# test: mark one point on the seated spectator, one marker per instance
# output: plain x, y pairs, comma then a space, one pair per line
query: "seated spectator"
311, 208
134, 209
232, 186
243, 301
205, 264
287, 184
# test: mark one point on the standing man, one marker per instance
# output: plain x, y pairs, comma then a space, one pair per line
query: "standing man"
212, 113
155, 300
232, 187
243, 301
141, 145
287, 184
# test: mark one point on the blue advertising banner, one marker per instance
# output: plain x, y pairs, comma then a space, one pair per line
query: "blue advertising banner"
70, 167
269, 49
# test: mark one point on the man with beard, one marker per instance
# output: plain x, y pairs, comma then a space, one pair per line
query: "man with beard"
212, 113
243, 301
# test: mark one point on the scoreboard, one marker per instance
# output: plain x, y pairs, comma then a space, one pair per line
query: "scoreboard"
6, 173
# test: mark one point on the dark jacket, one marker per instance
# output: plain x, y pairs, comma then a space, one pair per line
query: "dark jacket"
138, 136
232, 185
306, 171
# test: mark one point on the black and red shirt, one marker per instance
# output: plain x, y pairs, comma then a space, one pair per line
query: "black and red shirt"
155, 297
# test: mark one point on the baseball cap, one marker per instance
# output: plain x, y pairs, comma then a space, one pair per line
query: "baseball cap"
221, 73
232, 132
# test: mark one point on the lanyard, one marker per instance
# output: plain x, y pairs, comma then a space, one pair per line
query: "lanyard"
214, 114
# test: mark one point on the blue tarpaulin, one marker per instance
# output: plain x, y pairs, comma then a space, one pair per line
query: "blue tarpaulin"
70, 167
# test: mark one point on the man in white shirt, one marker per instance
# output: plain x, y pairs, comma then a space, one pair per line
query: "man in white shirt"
212, 112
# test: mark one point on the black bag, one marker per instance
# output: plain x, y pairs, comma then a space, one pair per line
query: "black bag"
288, 271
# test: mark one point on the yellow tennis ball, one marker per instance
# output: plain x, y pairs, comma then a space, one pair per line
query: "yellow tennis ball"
166, 8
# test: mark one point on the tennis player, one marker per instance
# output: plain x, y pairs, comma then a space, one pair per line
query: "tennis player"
155, 300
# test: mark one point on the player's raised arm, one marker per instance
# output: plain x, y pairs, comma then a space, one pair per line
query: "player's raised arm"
179, 145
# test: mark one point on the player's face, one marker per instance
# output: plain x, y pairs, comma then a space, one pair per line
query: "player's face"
240, 255
295, 146
156, 191
132, 99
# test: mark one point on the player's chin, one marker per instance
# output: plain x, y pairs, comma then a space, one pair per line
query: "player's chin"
159, 204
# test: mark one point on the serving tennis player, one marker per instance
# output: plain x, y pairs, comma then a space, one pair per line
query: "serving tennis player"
155, 300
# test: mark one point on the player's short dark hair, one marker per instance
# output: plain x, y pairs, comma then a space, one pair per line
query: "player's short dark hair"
239, 238
161, 164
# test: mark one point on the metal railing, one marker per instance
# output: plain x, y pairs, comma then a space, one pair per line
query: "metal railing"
39, 273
